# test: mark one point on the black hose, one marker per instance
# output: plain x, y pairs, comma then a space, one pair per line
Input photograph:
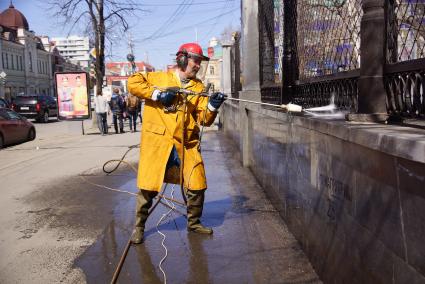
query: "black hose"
119, 162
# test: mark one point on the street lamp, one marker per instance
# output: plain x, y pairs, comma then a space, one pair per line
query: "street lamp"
130, 58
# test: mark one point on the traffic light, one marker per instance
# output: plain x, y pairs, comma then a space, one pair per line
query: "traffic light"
93, 69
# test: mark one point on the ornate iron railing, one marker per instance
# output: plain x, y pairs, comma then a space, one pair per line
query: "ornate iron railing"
405, 84
405, 69
271, 94
342, 92
315, 47
326, 41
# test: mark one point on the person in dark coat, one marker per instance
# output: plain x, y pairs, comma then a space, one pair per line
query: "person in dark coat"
117, 105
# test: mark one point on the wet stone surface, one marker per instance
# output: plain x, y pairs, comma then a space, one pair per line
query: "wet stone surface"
250, 244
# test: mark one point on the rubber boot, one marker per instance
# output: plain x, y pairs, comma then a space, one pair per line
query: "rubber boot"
195, 204
143, 203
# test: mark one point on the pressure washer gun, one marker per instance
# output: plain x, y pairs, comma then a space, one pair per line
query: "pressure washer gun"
288, 107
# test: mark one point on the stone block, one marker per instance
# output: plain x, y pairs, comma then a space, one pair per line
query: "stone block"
412, 194
378, 210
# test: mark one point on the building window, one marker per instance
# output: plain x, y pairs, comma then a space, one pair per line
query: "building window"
7, 61
211, 70
20, 62
17, 62
3, 60
30, 63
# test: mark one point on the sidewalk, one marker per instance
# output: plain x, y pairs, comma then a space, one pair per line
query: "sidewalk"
250, 244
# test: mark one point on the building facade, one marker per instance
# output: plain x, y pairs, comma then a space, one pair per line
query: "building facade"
117, 73
210, 72
26, 65
28, 62
75, 49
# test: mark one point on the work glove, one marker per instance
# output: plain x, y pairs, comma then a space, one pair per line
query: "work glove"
166, 98
217, 99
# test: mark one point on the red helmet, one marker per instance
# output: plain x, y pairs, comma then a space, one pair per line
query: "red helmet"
192, 50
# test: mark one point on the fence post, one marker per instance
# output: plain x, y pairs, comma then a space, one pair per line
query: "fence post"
372, 94
236, 64
251, 51
226, 74
289, 60
250, 74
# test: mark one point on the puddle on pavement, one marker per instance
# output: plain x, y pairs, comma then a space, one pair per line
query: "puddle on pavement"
187, 259
100, 260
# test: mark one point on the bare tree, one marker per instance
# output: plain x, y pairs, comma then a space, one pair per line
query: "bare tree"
102, 18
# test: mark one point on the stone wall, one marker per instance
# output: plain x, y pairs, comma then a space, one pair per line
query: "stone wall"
353, 194
230, 121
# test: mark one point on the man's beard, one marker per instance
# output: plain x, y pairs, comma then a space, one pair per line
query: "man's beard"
193, 73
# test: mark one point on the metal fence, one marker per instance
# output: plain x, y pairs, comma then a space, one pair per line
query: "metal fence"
405, 66
328, 37
315, 47
266, 29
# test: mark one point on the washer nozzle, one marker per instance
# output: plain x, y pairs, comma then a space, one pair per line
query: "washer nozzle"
292, 108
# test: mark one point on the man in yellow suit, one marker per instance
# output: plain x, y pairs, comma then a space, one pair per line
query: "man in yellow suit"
161, 146
80, 99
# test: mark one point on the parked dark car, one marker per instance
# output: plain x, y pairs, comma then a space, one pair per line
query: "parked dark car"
4, 103
14, 128
39, 107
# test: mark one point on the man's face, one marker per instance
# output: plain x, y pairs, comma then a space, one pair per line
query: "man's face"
193, 65
65, 82
78, 81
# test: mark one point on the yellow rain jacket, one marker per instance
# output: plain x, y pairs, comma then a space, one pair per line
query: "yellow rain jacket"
162, 130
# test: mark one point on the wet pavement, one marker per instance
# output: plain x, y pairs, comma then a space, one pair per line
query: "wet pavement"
250, 244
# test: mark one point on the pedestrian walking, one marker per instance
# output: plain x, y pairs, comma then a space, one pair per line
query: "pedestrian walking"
117, 105
101, 109
132, 103
161, 148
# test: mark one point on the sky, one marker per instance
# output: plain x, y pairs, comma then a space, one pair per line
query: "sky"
156, 32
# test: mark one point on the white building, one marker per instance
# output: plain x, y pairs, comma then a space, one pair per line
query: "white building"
24, 61
74, 48
212, 74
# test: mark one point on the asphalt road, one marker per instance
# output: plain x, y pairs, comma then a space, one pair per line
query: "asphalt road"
59, 225
49, 215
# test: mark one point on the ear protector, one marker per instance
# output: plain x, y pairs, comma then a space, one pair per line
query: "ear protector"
182, 59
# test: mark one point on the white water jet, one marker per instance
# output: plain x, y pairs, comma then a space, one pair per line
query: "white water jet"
330, 107
338, 114
328, 111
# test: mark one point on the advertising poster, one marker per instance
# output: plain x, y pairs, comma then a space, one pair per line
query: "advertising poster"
73, 95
